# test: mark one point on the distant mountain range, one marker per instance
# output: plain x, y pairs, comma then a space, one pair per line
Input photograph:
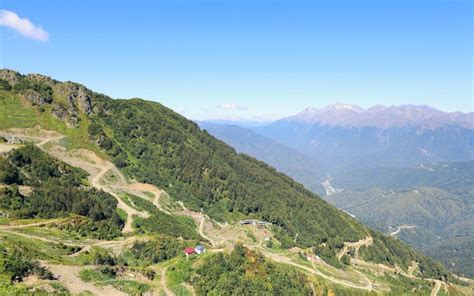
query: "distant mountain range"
347, 136
379, 116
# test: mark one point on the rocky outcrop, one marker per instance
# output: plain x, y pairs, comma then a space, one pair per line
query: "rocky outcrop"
77, 96
9, 75
35, 98
59, 112
69, 100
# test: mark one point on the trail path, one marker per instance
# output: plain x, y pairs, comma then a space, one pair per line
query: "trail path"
201, 232
116, 245
95, 181
190, 289
5, 148
47, 240
10, 229
84, 159
67, 275
436, 288
9, 226
97, 168
36, 135
412, 268
286, 260
163, 283
139, 189
45, 141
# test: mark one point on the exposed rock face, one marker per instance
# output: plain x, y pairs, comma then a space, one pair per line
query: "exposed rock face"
82, 96
78, 97
59, 112
72, 111
35, 98
9, 75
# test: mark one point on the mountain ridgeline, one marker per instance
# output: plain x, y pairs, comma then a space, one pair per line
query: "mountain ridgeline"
153, 144
349, 137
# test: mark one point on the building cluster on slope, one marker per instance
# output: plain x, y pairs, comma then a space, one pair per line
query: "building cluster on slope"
199, 249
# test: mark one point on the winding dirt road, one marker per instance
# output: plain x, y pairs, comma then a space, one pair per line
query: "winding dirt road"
95, 182
356, 245
97, 168
163, 283
314, 270
436, 288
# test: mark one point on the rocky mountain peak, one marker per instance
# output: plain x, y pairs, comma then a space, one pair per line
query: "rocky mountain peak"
343, 107
421, 116
10, 75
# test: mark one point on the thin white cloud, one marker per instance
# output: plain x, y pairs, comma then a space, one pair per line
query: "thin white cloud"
232, 106
22, 25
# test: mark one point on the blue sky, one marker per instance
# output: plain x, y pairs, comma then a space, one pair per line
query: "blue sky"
252, 59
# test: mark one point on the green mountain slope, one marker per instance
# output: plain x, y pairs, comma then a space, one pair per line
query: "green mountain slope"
153, 144
293, 163
160, 147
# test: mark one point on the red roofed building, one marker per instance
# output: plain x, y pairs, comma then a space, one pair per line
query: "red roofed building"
189, 251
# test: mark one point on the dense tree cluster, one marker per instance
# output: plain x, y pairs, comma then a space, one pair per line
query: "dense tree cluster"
161, 223
36, 167
244, 272
8, 173
328, 251
159, 249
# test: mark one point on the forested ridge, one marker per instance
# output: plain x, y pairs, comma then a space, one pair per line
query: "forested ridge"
151, 143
